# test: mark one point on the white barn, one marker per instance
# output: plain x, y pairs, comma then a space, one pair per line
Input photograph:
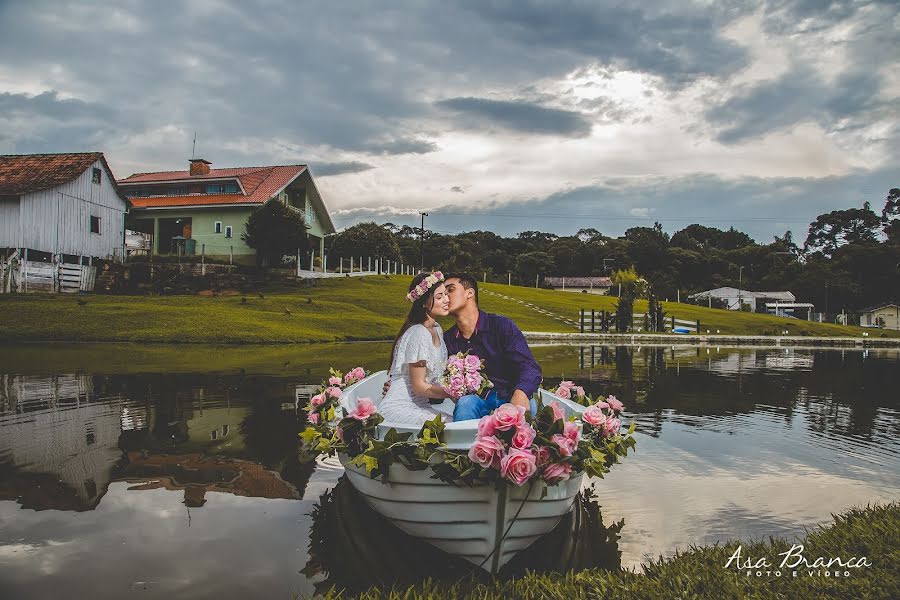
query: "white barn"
61, 204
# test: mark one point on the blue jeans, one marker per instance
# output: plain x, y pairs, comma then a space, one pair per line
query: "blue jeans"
474, 407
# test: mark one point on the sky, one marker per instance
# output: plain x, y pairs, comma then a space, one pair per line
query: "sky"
494, 115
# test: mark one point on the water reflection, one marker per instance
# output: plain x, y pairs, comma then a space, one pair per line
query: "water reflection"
188, 484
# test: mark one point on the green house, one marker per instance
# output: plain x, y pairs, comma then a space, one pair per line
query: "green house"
204, 210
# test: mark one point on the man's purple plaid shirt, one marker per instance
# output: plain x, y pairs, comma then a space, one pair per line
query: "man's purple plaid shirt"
508, 361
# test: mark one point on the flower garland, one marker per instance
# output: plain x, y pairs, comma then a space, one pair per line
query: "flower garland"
425, 285
511, 446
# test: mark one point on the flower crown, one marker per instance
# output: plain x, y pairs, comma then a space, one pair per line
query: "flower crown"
425, 285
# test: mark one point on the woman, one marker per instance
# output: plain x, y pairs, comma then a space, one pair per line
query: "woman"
419, 355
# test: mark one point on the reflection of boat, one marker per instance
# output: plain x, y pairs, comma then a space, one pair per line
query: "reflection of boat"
484, 524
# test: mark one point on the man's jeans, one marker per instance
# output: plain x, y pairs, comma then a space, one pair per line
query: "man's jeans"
474, 407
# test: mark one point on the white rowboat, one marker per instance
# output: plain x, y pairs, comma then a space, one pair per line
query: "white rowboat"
483, 524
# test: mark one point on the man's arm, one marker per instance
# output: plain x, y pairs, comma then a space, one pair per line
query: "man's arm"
529, 376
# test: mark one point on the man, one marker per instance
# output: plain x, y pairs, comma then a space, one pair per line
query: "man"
508, 361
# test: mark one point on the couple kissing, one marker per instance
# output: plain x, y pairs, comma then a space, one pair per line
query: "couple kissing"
420, 352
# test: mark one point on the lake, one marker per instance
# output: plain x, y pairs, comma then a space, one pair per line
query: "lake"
166, 471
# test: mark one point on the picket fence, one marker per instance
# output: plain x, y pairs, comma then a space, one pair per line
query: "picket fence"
19, 275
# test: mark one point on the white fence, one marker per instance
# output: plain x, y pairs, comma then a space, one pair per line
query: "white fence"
19, 275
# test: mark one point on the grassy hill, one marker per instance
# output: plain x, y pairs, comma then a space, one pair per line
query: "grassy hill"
366, 308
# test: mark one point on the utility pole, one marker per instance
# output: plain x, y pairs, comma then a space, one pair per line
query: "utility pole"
826, 303
740, 285
422, 242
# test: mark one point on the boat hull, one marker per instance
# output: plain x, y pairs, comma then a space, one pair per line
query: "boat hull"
483, 524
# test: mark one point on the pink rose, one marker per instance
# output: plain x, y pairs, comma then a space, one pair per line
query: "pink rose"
486, 426
557, 472
334, 381
457, 381
579, 391
559, 414
542, 455
594, 415
487, 452
335, 392
601, 404
523, 437
339, 433
473, 381
611, 427
518, 466
566, 445
313, 418
566, 384
508, 416
365, 408
473, 363
318, 400
563, 392
615, 404
570, 430
456, 362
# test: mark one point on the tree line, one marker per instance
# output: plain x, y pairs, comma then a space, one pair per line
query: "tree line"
850, 258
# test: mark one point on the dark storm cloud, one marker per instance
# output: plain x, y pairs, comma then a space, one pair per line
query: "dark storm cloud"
518, 116
677, 47
850, 98
347, 77
339, 168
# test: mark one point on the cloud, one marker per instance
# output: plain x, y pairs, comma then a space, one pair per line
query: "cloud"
457, 189
326, 169
518, 116
640, 211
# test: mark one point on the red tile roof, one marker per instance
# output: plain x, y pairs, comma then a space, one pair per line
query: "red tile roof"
23, 173
259, 183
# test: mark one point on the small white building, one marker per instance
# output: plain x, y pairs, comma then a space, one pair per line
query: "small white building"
734, 297
62, 205
886, 315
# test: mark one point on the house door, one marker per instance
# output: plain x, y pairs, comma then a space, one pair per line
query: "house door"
186, 229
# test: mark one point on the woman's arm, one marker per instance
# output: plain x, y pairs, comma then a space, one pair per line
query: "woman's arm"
417, 371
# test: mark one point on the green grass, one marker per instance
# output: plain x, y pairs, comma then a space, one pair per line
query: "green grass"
359, 308
873, 532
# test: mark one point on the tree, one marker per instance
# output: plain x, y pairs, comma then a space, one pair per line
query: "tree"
628, 279
363, 240
889, 216
274, 230
851, 226
533, 264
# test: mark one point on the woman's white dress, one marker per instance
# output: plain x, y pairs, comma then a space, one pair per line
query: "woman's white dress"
400, 404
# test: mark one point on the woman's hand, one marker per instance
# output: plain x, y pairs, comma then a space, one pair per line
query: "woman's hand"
420, 386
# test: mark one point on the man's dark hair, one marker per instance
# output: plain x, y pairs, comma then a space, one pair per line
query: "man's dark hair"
467, 281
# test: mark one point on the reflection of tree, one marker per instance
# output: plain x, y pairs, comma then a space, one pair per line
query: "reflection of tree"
357, 548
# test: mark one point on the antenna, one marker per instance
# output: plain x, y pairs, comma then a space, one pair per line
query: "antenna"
194, 147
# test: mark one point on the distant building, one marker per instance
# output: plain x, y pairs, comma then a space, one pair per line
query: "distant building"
757, 301
205, 209
886, 315
67, 205
581, 285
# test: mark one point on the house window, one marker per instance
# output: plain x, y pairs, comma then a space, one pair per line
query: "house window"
310, 216
95, 175
228, 231
221, 188
95, 224
218, 227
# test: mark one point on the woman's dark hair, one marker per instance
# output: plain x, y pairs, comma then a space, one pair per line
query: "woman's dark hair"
418, 312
